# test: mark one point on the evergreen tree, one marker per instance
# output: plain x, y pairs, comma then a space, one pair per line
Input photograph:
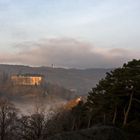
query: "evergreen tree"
116, 98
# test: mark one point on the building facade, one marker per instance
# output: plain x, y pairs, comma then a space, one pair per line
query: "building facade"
27, 79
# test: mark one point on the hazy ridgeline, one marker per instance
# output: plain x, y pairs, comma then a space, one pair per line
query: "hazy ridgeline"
61, 85
77, 80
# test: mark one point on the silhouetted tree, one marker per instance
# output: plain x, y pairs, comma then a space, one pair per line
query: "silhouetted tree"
8, 116
116, 98
32, 127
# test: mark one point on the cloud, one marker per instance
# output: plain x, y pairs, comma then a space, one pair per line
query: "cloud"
67, 52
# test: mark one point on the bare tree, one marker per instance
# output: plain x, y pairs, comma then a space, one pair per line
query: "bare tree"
32, 127
8, 115
39, 105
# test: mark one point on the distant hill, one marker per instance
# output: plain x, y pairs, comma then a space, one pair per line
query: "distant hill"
79, 81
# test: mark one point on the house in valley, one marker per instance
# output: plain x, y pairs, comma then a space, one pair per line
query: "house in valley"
27, 79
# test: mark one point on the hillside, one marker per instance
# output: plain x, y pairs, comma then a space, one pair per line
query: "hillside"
77, 80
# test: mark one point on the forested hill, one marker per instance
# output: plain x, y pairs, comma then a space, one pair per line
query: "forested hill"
78, 80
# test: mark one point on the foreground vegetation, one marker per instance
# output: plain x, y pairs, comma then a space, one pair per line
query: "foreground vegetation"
113, 103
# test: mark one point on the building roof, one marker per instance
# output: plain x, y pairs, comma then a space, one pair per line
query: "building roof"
30, 74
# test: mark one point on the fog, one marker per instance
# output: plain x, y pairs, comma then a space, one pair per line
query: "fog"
67, 52
40, 105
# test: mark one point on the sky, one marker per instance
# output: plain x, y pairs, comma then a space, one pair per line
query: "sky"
69, 33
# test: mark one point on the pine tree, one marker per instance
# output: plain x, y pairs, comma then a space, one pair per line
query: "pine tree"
116, 98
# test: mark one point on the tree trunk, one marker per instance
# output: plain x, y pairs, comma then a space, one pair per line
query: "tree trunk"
73, 124
89, 120
128, 109
114, 116
104, 119
3, 125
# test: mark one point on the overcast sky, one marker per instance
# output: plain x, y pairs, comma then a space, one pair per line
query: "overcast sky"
69, 33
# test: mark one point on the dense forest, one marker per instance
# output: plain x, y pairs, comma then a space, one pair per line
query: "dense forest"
112, 107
